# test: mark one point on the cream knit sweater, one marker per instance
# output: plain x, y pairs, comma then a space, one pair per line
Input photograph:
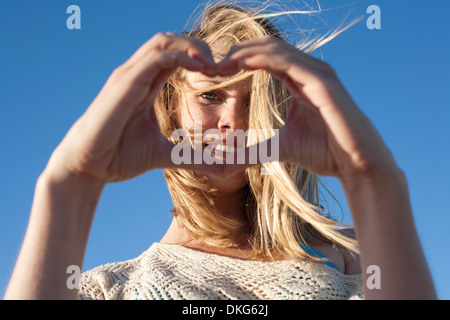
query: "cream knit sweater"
166, 272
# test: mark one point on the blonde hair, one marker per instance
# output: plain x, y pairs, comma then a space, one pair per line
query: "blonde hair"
283, 208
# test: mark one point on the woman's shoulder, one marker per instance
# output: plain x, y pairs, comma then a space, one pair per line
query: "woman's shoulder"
119, 266
107, 281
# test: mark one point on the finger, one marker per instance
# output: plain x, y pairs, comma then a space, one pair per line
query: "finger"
127, 95
167, 66
164, 63
277, 63
238, 51
303, 79
275, 56
264, 41
128, 90
158, 41
268, 44
229, 66
254, 60
194, 48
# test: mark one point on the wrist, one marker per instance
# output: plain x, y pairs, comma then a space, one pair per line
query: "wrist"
382, 178
71, 196
54, 178
376, 198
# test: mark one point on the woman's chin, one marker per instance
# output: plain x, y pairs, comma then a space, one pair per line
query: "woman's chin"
229, 183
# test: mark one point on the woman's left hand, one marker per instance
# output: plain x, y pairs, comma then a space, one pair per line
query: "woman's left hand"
325, 132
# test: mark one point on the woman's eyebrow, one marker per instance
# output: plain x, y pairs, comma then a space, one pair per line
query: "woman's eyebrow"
211, 81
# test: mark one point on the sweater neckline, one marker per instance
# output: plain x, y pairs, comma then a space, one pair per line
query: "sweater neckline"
215, 255
204, 255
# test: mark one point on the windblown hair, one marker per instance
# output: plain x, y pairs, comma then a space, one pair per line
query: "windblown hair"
283, 208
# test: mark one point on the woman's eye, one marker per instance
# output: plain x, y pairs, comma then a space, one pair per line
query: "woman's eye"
209, 96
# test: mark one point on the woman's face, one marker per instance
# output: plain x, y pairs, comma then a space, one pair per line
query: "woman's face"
221, 109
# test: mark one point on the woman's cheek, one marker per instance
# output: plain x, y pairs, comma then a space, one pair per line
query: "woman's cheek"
194, 115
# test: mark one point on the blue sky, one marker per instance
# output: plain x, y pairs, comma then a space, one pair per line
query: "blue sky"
398, 75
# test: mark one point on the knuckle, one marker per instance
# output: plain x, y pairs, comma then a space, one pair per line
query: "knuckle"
328, 67
159, 36
197, 44
119, 78
165, 59
162, 40
273, 45
272, 39
235, 48
118, 73
326, 71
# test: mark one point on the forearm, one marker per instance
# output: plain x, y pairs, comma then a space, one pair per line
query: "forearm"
382, 215
56, 237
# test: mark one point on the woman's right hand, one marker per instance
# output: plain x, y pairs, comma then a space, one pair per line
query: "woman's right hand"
118, 137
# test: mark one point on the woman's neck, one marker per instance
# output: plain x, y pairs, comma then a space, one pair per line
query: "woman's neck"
232, 204
227, 204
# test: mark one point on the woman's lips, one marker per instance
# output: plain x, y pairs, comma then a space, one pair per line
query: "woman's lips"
225, 148
221, 151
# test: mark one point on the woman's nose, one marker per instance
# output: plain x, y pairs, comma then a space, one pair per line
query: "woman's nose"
232, 117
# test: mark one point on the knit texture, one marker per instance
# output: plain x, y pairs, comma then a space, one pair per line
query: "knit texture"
173, 272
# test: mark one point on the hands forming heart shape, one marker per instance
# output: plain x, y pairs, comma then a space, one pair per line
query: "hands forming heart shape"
118, 137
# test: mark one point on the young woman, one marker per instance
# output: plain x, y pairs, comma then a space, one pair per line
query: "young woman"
239, 231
